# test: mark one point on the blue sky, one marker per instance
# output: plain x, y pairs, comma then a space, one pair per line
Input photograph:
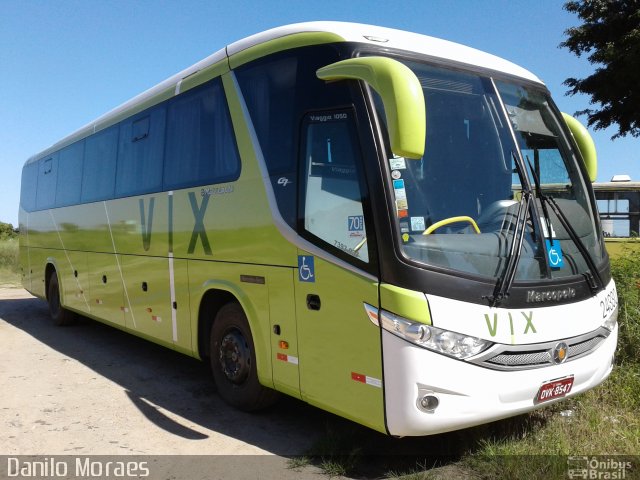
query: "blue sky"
64, 63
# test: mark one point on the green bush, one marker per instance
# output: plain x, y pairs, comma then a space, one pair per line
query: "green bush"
9, 269
7, 231
9, 254
626, 272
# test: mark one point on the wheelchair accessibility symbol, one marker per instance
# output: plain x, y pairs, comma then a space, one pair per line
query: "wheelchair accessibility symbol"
554, 254
306, 269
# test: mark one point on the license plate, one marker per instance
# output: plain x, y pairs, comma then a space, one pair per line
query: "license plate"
554, 389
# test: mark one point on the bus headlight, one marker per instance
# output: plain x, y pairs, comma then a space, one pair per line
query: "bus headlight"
610, 323
442, 341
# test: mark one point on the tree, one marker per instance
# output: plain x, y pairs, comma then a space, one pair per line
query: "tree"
610, 36
6, 231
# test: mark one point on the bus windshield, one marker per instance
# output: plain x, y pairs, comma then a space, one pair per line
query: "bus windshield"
488, 142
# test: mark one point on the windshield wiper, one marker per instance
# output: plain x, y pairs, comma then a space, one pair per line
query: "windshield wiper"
503, 286
592, 276
543, 204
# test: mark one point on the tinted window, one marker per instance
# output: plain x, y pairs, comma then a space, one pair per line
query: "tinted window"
98, 176
69, 175
332, 196
47, 176
201, 146
279, 90
29, 186
140, 153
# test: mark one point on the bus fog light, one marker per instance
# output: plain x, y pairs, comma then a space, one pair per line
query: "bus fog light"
428, 403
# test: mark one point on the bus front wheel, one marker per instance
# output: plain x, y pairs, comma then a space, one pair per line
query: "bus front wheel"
59, 314
233, 361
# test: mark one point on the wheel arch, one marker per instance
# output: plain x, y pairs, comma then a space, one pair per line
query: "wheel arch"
216, 295
52, 267
212, 301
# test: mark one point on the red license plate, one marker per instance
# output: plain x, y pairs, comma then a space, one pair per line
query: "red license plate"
555, 389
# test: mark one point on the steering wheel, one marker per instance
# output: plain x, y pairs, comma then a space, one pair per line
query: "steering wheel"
499, 215
449, 220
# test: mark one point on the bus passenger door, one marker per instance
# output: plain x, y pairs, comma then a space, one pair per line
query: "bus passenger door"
284, 337
339, 346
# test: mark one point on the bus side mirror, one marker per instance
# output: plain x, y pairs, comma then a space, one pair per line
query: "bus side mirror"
585, 145
401, 95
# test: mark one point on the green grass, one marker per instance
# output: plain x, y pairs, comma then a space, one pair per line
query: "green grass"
9, 270
626, 272
297, 463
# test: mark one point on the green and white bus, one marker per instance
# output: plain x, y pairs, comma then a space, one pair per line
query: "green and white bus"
394, 228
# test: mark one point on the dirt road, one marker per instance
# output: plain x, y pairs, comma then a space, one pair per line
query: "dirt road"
90, 389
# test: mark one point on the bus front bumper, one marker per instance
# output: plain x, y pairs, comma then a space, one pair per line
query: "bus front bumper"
467, 394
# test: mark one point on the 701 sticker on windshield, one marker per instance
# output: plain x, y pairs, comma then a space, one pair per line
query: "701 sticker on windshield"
355, 224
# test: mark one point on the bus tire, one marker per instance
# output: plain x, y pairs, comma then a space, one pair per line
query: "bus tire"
233, 361
60, 315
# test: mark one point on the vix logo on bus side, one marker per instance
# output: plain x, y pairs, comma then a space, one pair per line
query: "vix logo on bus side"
199, 231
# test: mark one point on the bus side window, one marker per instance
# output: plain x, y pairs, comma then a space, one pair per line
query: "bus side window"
141, 153
332, 198
70, 164
99, 171
200, 144
47, 179
28, 191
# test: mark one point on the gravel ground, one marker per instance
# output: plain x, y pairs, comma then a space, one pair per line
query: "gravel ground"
92, 390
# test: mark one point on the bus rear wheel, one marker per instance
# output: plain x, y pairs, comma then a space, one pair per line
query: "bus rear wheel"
60, 315
233, 361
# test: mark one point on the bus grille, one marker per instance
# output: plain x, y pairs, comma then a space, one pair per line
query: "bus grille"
514, 359
508, 357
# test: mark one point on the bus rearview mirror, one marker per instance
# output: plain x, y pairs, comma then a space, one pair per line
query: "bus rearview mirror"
401, 95
585, 145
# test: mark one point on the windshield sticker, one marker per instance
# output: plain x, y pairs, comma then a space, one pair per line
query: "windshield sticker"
398, 184
402, 204
554, 253
355, 224
405, 237
398, 163
417, 223
403, 213
396, 174
399, 190
404, 227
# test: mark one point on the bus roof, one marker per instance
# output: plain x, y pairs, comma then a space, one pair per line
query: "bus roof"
392, 38
334, 31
